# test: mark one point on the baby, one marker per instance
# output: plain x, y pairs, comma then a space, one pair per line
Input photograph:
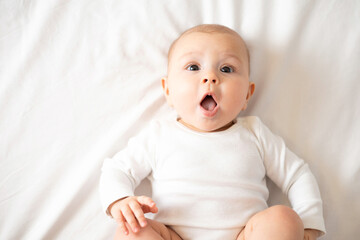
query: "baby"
207, 167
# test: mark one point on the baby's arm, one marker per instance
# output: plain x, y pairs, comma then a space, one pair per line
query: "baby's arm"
293, 176
131, 210
124, 172
311, 234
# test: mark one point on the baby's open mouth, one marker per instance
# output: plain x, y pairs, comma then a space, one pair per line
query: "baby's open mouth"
208, 103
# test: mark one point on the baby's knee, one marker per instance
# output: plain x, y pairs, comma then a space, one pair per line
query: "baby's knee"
153, 231
276, 221
285, 217
121, 235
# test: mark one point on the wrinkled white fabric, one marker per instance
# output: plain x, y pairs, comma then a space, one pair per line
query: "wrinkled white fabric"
79, 78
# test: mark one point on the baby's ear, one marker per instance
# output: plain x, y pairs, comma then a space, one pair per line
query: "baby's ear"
249, 94
250, 91
165, 86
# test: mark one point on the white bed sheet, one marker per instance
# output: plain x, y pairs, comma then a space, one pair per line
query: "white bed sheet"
79, 78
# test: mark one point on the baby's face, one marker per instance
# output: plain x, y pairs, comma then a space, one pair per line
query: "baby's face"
208, 80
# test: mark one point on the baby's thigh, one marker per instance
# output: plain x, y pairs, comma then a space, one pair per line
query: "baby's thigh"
153, 231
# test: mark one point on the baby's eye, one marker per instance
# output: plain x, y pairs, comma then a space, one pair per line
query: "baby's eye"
193, 67
227, 69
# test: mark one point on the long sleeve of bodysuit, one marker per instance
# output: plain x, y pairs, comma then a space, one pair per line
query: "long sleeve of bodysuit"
124, 172
293, 176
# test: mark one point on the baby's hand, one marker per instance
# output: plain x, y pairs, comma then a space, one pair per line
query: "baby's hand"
311, 234
131, 210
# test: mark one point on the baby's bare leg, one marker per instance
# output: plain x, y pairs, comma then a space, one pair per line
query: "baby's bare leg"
277, 222
153, 231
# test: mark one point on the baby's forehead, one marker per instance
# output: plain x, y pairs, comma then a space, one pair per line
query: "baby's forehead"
238, 42
226, 36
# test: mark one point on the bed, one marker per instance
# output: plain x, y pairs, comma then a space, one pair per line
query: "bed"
79, 78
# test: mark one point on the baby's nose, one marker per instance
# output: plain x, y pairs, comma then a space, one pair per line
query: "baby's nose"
210, 77
210, 80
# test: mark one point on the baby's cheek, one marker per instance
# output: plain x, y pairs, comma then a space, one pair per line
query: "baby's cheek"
235, 98
233, 106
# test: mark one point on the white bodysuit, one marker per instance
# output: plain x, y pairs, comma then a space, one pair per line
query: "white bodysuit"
208, 185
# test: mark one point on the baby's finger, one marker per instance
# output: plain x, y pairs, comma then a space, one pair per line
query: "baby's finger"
148, 204
121, 221
147, 209
138, 212
144, 200
130, 218
116, 214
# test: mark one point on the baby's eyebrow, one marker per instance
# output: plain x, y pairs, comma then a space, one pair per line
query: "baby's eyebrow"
231, 55
192, 53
